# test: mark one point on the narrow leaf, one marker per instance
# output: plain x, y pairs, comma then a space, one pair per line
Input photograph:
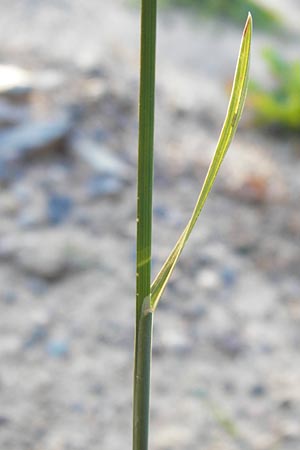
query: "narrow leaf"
234, 111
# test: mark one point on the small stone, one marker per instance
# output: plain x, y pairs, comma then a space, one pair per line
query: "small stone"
208, 279
58, 348
4, 421
50, 255
258, 390
293, 224
230, 343
228, 276
254, 189
174, 341
290, 431
98, 186
10, 345
96, 389
101, 159
77, 408
230, 387
199, 392
37, 286
15, 83
11, 115
8, 248
22, 192
8, 204
31, 218
194, 312
245, 243
290, 289
48, 80
37, 336
286, 404
160, 212
171, 437
9, 297
48, 262
81, 218
6, 173
33, 139
59, 208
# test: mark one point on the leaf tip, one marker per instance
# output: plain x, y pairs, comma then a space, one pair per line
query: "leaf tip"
248, 25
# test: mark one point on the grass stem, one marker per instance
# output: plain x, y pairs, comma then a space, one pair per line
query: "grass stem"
143, 331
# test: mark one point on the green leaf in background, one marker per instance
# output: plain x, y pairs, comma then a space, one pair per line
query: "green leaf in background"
234, 112
234, 10
278, 106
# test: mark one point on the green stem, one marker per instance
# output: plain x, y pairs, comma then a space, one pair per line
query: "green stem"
141, 404
143, 332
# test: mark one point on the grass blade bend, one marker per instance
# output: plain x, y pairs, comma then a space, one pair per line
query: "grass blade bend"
235, 108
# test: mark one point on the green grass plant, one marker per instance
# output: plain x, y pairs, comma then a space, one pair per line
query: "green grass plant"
278, 106
147, 294
233, 10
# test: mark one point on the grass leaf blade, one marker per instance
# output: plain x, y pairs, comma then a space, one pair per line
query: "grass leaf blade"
234, 111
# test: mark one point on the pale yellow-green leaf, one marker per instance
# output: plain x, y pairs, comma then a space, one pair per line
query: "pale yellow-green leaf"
235, 108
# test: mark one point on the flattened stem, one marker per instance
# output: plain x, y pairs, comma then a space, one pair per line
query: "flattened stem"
145, 152
143, 331
141, 406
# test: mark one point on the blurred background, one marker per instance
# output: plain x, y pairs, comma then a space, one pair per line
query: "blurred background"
226, 365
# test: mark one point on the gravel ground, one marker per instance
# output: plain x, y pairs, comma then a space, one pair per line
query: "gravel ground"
67, 238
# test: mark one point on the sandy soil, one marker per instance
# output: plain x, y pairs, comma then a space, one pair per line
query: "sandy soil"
226, 365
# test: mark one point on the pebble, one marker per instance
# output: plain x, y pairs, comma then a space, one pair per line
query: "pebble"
59, 208
290, 431
77, 408
228, 276
10, 344
8, 248
290, 289
81, 218
209, 280
194, 312
49, 261
173, 341
160, 212
101, 159
172, 437
31, 218
230, 343
258, 390
9, 172
34, 139
286, 404
58, 348
5, 175
48, 80
172, 217
215, 253
254, 189
15, 83
99, 185
23, 192
293, 224
4, 421
37, 286
8, 204
11, 115
9, 297
57, 252
36, 336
